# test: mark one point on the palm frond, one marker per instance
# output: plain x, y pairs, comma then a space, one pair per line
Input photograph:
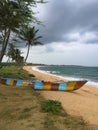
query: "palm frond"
37, 38
37, 43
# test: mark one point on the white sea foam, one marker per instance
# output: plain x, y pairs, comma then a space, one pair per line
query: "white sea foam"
89, 83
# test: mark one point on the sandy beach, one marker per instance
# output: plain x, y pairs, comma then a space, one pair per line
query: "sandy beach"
82, 102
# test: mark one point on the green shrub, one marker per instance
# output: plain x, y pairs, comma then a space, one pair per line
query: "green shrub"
51, 106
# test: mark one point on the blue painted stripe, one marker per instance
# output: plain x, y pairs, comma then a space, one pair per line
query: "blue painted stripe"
8, 81
62, 87
19, 83
38, 86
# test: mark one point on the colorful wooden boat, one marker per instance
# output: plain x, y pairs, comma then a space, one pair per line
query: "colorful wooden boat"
44, 85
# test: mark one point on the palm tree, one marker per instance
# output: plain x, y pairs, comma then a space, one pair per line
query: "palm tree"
11, 17
15, 55
10, 52
14, 14
18, 58
29, 34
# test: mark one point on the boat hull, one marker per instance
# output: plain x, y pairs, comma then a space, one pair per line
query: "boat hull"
44, 85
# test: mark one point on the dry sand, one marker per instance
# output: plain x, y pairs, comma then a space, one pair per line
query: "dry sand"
82, 102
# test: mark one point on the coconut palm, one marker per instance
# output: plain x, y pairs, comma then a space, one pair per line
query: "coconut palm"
11, 17
15, 55
10, 52
29, 34
18, 58
14, 14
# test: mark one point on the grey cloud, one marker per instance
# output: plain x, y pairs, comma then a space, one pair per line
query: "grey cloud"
63, 17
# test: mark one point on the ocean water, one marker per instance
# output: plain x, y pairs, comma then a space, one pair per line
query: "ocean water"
73, 73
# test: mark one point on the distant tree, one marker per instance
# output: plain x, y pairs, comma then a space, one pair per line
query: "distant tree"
15, 55
10, 52
14, 14
18, 58
29, 35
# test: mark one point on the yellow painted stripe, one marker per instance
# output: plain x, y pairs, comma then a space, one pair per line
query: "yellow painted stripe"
24, 84
46, 86
12, 82
70, 85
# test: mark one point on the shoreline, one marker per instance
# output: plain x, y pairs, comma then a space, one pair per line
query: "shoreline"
82, 102
89, 83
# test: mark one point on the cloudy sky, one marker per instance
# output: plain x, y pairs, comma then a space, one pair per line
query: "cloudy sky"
70, 34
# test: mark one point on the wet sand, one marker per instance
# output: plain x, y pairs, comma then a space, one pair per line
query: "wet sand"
82, 102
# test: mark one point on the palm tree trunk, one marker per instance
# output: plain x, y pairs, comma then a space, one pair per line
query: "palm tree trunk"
4, 46
27, 53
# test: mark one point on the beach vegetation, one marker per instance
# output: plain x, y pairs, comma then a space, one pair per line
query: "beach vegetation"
15, 72
74, 123
51, 106
13, 15
50, 123
23, 116
27, 109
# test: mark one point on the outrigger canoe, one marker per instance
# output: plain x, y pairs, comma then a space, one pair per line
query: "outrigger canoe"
44, 85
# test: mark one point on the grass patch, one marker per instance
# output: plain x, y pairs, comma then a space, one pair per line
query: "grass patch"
16, 111
75, 123
57, 118
49, 123
14, 72
7, 115
51, 106
2, 129
27, 110
24, 116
